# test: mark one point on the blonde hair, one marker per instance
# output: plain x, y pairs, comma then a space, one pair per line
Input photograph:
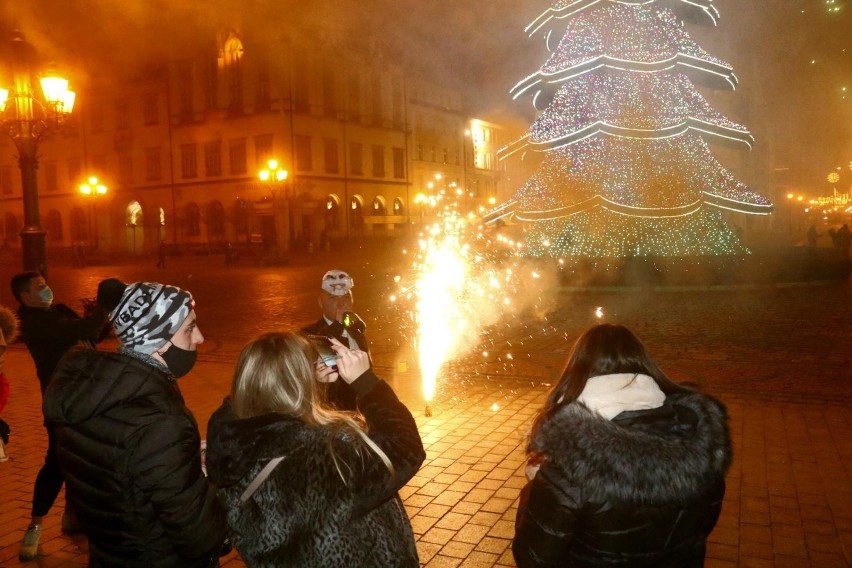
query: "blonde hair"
275, 373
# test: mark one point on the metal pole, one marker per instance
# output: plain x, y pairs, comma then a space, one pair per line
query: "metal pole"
34, 253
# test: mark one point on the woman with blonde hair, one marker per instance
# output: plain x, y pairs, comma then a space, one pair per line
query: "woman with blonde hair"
626, 467
303, 484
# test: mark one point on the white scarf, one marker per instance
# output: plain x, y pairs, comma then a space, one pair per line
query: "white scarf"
610, 395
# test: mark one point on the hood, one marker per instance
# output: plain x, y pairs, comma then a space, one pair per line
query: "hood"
89, 383
234, 445
640, 456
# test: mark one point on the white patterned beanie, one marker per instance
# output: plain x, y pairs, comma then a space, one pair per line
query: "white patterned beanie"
149, 314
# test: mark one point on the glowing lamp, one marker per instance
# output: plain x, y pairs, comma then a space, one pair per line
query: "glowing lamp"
4, 96
56, 93
833, 177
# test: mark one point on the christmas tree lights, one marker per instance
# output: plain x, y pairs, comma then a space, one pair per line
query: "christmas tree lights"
627, 169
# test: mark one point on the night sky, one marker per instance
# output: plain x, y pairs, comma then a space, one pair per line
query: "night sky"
793, 57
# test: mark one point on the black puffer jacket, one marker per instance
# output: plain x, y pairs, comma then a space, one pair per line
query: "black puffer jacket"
644, 489
304, 515
130, 452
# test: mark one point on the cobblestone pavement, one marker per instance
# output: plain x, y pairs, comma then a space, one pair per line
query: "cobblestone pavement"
779, 358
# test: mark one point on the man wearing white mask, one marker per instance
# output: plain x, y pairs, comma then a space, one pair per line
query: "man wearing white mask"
339, 321
49, 330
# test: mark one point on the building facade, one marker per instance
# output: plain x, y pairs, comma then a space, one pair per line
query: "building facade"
180, 145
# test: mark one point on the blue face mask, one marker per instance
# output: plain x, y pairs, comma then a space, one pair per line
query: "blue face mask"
46, 295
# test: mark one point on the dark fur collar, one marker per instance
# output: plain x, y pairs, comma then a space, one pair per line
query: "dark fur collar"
643, 456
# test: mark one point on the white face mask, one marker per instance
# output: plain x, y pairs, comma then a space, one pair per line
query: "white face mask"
46, 295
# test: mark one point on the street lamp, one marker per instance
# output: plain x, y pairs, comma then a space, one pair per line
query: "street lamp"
92, 189
28, 117
276, 177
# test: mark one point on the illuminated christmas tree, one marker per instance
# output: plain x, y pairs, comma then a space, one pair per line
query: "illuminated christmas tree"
627, 170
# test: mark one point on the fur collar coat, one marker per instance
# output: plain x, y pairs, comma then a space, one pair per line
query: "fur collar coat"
304, 513
642, 489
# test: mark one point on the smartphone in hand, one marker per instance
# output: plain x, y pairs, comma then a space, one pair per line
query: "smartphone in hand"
323, 346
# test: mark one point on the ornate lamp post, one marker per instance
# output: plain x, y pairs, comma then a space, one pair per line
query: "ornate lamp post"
276, 178
28, 117
92, 190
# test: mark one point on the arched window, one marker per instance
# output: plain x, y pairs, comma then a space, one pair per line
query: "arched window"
241, 216
216, 219
332, 213
356, 213
379, 206
53, 226
193, 220
133, 214
398, 207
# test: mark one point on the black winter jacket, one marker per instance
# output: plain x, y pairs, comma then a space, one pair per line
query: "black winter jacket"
644, 489
304, 515
130, 452
50, 332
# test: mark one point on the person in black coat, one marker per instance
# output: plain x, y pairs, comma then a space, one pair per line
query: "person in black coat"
305, 485
128, 446
339, 321
626, 467
49, 330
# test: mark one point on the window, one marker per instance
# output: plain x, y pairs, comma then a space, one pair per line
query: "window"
301, 84
446, 156
304, 158
237, 156
356, 159
216, 219
354, 96
188, 161
377, 98
399, 163
53, 226
397, 104
211, 84
122, 114
262, 148
193, 220
213, 158
153, 167
431, 153
125, 167
150, 109
262, 99
331, 159
75, 171
184, 83
51, 182
6, 179
419, 151
378, 161
329, 94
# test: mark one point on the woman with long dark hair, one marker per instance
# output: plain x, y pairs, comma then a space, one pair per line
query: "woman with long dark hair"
626, 466
304, 484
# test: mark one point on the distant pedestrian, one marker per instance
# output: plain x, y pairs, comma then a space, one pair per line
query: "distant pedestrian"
8, 334
844, 239
626, 467
49, 330
127, 444
813, 236
305, 485
161, 254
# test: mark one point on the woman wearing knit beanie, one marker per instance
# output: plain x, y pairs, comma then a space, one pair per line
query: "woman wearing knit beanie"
127, 444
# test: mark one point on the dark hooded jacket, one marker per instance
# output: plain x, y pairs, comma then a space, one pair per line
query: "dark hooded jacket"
644, 489
304, 514
130, 452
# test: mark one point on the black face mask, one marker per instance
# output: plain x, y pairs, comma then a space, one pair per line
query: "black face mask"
179, 361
